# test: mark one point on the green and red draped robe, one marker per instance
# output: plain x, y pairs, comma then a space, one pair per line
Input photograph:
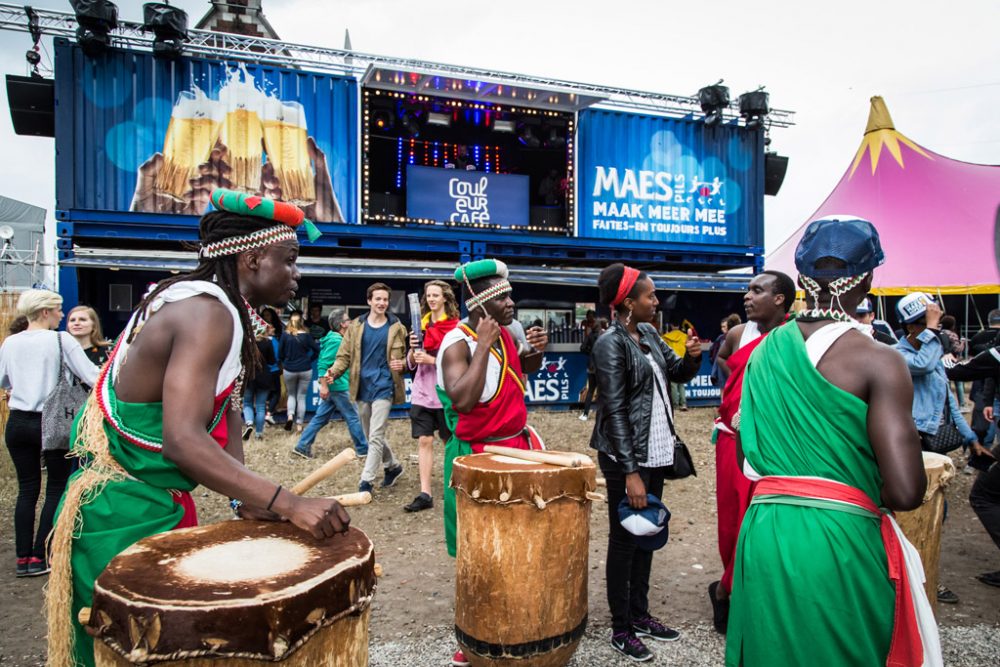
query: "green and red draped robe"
500, 417
154, 496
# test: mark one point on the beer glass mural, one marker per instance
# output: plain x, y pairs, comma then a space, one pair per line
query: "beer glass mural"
153, 136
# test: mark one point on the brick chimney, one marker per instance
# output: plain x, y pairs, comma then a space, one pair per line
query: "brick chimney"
239, 17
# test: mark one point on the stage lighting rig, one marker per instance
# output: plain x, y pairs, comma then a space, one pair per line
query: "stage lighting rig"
527, 137
713, 99
383, 120
168, 25
410, 124
754, 107
97, 18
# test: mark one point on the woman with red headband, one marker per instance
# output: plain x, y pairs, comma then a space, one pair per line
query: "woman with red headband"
634, 436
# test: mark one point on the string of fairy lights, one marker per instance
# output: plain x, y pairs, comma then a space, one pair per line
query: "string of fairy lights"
412, 150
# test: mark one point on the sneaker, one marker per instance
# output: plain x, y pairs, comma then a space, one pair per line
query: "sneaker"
720, 609
459, 659
288, 425
968, 470
258, 436
247, 430
421, 502
37, 567
269, 419
990, 578
946, 596
630, 646
303, 453
583, 418
362, 453
22, 567
365, 486
391, 475
652, 628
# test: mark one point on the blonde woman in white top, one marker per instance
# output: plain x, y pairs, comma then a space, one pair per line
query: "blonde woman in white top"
29, 368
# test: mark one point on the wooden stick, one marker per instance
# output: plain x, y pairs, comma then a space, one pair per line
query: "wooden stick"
324, 471
354, 499
602, 482
597, 497
564, 459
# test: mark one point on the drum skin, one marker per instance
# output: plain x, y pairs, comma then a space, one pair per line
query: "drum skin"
236, 593
522, 563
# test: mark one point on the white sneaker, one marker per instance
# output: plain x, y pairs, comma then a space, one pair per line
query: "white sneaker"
583, 418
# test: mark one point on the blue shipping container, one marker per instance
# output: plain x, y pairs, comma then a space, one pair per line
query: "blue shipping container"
138, 133
664, 180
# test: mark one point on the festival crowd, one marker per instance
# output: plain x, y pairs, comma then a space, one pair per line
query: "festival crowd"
824, 414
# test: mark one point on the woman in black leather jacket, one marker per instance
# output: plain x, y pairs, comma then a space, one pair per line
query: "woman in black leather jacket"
634, 437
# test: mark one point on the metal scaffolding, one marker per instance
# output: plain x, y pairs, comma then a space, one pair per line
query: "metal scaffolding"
204, 43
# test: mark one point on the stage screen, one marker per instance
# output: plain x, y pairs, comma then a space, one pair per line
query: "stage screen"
466, 197
144, 134
664, 180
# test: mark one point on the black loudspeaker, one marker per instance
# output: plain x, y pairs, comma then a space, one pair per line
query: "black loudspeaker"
120, 298
775, 167
32, 105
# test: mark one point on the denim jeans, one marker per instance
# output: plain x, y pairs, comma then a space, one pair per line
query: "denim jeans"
297, 384
338, 401
628, 566
254, 407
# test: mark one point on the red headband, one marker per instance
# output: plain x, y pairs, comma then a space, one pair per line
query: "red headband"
626, 285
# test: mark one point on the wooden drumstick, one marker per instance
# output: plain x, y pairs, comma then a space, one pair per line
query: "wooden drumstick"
564, 459
601, 481
324, 471
597, 497
354, 499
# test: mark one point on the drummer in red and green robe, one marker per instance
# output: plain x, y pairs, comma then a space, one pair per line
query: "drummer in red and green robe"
481, 374
480, 378
160, 420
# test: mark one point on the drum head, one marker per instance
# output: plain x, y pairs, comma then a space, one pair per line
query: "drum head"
497, 478
239, 588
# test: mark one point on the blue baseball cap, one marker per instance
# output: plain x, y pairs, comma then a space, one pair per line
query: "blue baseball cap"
649, 526
850, 239
864, 307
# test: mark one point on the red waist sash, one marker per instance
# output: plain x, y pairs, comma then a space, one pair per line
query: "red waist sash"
906, 648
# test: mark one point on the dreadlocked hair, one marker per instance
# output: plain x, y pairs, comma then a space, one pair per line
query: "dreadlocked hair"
216, 226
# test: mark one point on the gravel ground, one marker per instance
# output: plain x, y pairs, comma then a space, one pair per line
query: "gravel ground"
699, 645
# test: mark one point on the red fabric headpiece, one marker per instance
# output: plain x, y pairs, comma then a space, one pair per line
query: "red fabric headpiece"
626, 285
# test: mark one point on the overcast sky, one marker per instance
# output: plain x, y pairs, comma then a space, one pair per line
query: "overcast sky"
936, 66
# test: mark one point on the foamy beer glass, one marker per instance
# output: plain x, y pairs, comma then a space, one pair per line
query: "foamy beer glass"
285, 133
242, 134
193, 130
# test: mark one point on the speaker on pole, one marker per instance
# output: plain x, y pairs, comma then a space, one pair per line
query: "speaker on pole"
775, 167
32, 105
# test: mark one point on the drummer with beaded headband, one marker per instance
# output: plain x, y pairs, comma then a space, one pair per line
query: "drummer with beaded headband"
480, 378
160, 420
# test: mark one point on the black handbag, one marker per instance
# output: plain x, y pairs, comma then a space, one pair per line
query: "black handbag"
947, 439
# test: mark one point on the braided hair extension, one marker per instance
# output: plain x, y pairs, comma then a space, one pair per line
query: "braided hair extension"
216, 226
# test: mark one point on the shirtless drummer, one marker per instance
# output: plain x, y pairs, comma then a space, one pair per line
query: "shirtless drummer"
160, 421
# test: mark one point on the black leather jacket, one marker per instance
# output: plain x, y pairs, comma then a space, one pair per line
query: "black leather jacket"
626, 390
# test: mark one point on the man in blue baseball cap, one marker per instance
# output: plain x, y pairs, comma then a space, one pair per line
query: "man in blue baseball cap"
825, 430
881, 331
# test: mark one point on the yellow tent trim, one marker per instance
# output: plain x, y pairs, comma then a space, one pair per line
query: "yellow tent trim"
950, 290
944, 289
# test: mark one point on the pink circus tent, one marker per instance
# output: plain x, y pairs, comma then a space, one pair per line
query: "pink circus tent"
935, 215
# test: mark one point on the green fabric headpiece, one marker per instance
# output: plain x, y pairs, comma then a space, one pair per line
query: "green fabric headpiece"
481, 268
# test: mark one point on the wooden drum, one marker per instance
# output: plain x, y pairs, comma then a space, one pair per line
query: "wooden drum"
922, 526
236, 593
521, 570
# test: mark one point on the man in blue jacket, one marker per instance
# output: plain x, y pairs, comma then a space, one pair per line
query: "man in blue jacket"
933, 401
